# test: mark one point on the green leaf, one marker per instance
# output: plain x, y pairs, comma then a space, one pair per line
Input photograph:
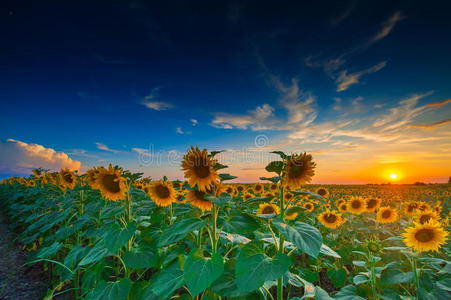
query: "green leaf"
275, 166
240, 223
274, 179
201, 272
225, 177
280, 153
337, 277
214, 153
50, 251
140, 258
359, 279
349, 292
179, 230
220, 201
326, 250
253, 268
395, 276
255, 200
95, 254
111, 290
218, 166
165, 282
305, 237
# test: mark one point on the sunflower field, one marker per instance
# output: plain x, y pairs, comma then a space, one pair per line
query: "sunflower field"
112, 234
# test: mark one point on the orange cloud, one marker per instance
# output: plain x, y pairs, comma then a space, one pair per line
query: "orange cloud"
430, 125
439, 103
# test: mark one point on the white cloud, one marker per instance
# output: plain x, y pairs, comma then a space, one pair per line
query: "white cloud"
151, 102
255, 119
20, 157
345, 80
179, 130
194, 122
104, 147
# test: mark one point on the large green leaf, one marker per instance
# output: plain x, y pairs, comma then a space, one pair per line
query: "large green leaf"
337, 277
253, 268
50, 251
349, 292
179, 230
395, 276
165, 282
240, 223
140, 258
111, 290
275, 166
305, 237
200, 272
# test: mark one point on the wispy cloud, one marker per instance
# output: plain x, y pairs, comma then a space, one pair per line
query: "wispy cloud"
345, 80
344, 14
150, 101
439, 103
255, 119
104, 147
386, 27
194, 122
431, 125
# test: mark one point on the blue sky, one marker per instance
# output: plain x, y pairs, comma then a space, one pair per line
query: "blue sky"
103, 82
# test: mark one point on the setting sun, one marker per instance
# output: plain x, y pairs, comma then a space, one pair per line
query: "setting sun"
393, 176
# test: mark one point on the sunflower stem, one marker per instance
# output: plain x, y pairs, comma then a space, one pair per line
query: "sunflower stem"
281, 241
416, 276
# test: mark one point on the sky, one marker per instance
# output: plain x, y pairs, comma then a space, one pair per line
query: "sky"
363, 86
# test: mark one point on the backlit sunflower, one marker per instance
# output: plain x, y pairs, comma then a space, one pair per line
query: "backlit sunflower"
196, 198
67, 179
309, 207
299, 170
247, 196
343, 207
356, 205
331, 219
273, 187
111, 183
240, 188
410, 208
288, 196
386, 214
372, 204
429, 236
268, 209
230, 190
162, 192
198, 168
426, 216
322, 192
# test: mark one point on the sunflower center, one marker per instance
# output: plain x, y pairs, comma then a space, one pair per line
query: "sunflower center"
386, 214
330, 218
322, 192
343, 207
202, 171
258, 187
110, 183
424, 235
410, 208
372, 203
68, 178
162, 191
268, 210
200, 195
425, 218
295, 171
356, 204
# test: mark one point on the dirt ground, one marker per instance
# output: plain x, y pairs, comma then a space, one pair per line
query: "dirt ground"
16, 281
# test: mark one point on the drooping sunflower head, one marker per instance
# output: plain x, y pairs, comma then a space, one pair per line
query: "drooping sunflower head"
67, 179
425, 216
429, 236
386, 214
322, 192
111, 183
197, 198
331, 219
198, 167
268, 209
299, 170
356, 205
91, 177
372, 204
162, 192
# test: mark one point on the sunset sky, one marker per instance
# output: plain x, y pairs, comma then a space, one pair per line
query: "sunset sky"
363, 86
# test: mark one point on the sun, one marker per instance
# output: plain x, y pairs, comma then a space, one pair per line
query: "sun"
393, 176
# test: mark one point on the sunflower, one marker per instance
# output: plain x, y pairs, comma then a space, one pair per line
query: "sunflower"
425, 237
247, 196
240, 188
341, 201
111, 183
162, 192
309, 207
273, 187
180, 197
258, 188
299, 169
356, 205
196, 198
198, 168
177, 184
331, 219
268, 209
91, 175
323, 192
386, 214
372, 204
410, 208
290, 214
230, 190
343, 207
67, 179
426, 216
288, 196
423, 206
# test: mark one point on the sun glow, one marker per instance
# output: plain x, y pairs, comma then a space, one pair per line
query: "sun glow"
393, 176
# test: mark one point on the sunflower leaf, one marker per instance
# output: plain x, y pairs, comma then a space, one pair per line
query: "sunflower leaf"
200, 272
275, 166
179, 230
307, 238
225, 177
280, 153
274, 179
